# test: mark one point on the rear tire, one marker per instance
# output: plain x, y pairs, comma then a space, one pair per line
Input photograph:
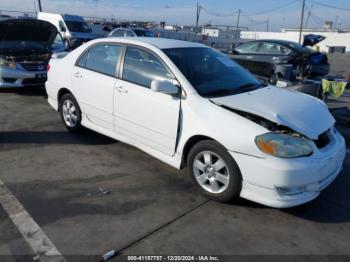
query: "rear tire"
70, 113
214, 171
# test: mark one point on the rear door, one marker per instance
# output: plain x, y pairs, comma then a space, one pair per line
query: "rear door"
93, 79
269, 54
145, 116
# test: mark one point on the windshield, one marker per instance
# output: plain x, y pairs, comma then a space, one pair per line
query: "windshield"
145, 33
58, 45
78, 26
212, 73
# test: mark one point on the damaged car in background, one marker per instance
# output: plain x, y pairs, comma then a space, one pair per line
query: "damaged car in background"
192, 106
287, 62
26, 46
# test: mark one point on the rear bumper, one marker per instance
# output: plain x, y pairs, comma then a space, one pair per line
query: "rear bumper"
15, 78
283, 183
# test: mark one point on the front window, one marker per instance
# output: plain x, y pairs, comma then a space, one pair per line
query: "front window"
78, 26
212, 73
142, 67
248, 48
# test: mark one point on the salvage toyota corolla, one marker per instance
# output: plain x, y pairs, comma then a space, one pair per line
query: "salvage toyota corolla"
189, 105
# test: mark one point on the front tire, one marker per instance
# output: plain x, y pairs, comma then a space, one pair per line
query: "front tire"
70, 113
214, 171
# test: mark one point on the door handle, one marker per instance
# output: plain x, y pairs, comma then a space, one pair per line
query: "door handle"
122, 90
249, 57
78, 75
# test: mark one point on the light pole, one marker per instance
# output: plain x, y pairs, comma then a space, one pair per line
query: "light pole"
301, 21
39, 3
237, 25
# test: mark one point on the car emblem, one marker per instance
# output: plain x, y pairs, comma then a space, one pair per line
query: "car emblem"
41, 67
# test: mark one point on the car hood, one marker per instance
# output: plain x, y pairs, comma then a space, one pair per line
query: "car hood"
26, 31
302, 113
311, 39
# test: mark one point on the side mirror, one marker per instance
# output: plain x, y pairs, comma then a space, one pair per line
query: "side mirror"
165, 87
63, 29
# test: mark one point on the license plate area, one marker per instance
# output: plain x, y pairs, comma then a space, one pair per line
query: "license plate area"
41, 76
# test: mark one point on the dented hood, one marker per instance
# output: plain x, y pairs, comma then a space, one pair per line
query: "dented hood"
302, 113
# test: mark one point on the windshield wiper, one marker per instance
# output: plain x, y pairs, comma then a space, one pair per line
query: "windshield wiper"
250, 86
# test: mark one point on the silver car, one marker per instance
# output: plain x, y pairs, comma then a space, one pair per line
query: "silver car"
26, 46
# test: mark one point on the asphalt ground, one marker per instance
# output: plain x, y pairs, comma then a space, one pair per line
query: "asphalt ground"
90, 194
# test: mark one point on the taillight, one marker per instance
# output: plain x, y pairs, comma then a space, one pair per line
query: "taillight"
48, 67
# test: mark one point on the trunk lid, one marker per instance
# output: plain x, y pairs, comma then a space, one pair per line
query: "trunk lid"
311, 39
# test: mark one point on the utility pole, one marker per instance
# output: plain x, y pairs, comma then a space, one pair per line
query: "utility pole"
302, 20
40, 9
267, 25
336, 22
198, 14
237, 25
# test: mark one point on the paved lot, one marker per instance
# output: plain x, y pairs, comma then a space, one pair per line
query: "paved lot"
62, 181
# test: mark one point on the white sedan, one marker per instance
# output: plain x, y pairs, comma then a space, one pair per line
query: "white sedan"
190, 105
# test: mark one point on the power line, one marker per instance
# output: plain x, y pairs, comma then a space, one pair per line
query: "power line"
218, 14
330, 6
275, 8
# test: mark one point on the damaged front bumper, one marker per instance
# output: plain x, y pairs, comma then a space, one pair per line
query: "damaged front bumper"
283, 183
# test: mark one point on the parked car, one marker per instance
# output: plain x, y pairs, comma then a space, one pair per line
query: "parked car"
190, 105
131, 32
73, 28
26, 46
279, 59
4, 17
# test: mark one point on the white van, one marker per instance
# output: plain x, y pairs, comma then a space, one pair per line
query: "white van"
73, 28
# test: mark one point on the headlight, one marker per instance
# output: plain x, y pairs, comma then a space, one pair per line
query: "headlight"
283, 146
5, 63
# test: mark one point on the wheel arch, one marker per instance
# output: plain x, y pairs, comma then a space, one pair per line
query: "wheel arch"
190, 143
62, 92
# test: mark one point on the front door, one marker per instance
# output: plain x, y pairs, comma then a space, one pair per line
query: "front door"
94, 78
245, 55
148, 117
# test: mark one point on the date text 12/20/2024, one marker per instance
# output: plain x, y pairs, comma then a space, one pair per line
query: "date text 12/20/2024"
173, 258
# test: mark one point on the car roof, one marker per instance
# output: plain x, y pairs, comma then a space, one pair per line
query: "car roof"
161, 43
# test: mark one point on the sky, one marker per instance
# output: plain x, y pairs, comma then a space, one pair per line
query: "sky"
255, 13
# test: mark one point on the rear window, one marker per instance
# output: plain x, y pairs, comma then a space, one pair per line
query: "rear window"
101, 58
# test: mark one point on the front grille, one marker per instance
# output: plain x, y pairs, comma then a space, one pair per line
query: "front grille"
34, 81
34, 66
323, 140
9, 79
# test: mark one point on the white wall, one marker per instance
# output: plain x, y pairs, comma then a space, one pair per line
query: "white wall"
211, 32
332, 38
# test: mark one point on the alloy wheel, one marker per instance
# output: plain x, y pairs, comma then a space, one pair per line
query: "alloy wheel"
69, 113
211, 172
